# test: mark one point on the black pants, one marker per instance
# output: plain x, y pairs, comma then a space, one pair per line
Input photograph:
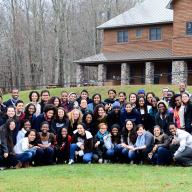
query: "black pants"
9, 161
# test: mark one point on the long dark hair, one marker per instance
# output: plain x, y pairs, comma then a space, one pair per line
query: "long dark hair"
95, 113
27, 110
132, 134
145, 104
60, 139
9, 133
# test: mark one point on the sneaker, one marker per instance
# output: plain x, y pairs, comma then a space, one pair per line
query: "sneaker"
2, 168
71, 161
100, 161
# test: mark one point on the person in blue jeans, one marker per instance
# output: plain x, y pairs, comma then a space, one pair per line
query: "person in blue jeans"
160, 154
81, 146
25, 149
129, 136
143, 145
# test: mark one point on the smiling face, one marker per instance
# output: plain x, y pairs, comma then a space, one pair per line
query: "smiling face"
114, 131
45, 128
64, 132
149, 98
31, 136
64, 97
27, 125
122, 97
12, 126
111, 95
84, 95
101, 112
97, 99
10, 112
76, 114
50, 114
185, 98
141, 102
56, 102
128, 108
61, 113
157, 131
15, 94
20, 107
172, 129
162, 109
103, 128
31, 109
178, 101
88, 118
45, 97
34, 97
133, 98
80, 129
83, 104
129, 125
140, 131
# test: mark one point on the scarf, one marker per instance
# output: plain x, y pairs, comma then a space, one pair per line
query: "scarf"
100, 135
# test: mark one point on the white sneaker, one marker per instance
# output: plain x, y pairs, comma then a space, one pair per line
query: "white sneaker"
100, 161
71, 161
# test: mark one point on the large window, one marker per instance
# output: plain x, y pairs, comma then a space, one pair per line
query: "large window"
155, 33
189, 28
122, 36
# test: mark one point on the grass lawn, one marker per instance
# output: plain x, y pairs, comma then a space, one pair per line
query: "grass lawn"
103, 90
101, 178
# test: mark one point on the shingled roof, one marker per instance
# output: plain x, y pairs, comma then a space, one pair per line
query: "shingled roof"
109, 57
146, 13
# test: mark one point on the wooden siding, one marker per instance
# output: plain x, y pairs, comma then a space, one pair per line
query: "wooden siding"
182, 43
110, 43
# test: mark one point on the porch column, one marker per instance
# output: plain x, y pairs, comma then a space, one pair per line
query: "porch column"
125, 74
179, 72
149, 73
102, 74
79, 75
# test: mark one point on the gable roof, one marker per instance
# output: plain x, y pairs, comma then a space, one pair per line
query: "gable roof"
146, 13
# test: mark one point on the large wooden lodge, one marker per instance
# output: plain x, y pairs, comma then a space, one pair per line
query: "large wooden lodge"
150, 43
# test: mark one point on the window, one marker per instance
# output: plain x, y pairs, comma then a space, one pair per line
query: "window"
139, 33
122, 36
155, 34
189, 28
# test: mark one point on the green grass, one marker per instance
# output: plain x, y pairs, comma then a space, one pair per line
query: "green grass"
101, 178
103, 90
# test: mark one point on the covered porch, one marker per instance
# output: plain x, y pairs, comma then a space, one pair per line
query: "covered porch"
148, 67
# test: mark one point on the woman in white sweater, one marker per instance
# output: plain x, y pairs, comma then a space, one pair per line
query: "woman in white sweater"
25, 149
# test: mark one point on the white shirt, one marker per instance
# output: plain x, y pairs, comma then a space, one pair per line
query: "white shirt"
22, 146
184, 139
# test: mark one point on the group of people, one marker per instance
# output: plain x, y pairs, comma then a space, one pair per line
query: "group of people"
136, 128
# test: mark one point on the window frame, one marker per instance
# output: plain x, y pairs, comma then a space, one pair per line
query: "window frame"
188, 33
123, 37
156, 35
